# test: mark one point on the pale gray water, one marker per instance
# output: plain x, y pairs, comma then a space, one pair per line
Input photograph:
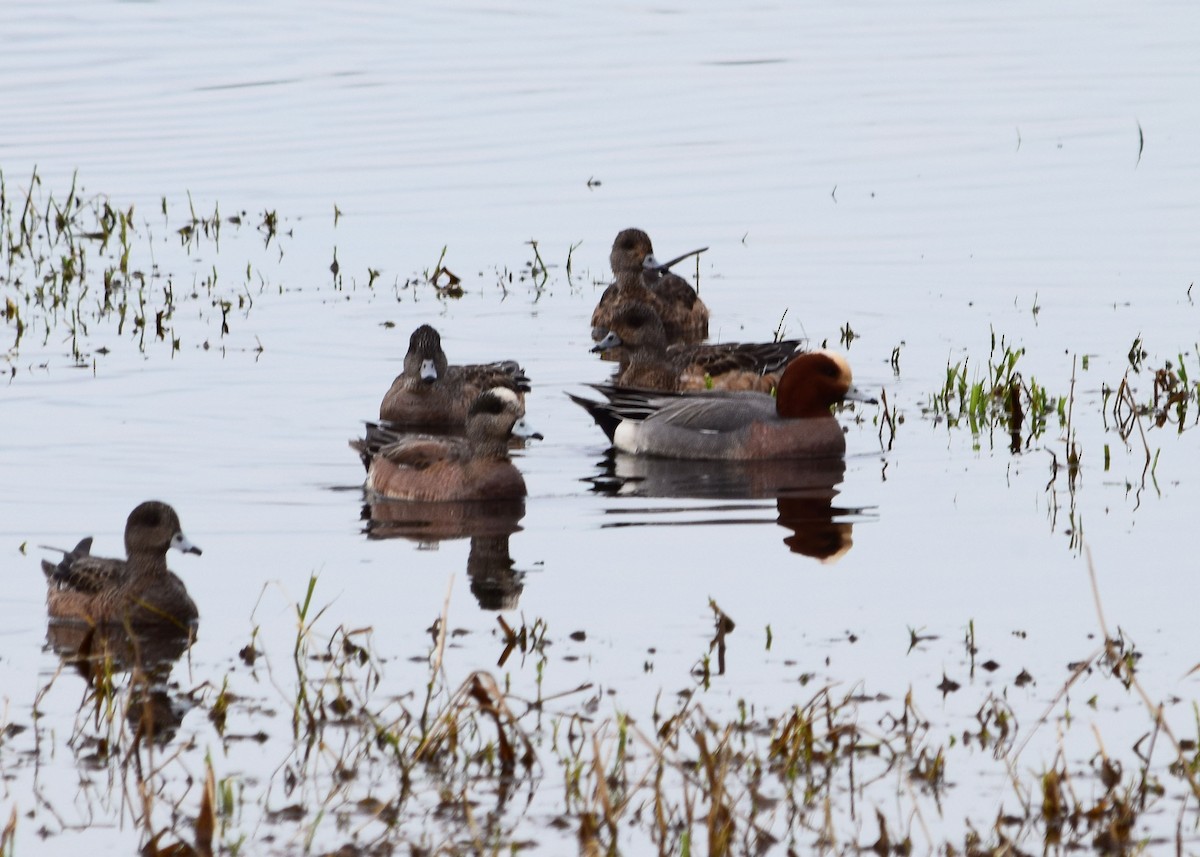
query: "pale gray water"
927, 174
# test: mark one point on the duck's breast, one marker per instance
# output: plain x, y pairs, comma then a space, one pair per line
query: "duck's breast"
418, 404
815, 437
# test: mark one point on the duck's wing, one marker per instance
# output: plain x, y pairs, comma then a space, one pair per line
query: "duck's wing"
482, 376
82, 572
720, 359
658, 375
607, 298
635, 403
421, 451
674, 289
719, 413
377, 437
622, 403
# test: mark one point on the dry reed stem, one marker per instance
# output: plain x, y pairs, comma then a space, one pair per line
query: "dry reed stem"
1154, 709
206, 819
439, 650
9, 834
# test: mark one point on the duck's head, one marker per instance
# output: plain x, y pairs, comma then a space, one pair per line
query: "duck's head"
637, 325
813, 382
499, 413
631, 251
153, 527
425, 358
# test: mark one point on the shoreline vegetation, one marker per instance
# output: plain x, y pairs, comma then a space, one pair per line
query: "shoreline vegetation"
466, 764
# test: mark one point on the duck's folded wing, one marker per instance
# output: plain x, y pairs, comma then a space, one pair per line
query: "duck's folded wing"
512, 369
377, 437
87, 573
756, 357
481, 376
717, 413
634, 403
603, 306
419, 452
674, 289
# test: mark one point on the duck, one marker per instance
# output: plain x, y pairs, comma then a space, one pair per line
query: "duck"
740, 426
138, 591
433, 394
475, 466
639, 276
648, 362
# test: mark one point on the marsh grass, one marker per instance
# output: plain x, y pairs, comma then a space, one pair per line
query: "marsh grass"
84, 275
470, 765
446, 282
83, 270
1000, 398
538, 272
997, 397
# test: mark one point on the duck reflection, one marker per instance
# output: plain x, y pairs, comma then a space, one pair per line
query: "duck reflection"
495, 582
803, 490
101, 654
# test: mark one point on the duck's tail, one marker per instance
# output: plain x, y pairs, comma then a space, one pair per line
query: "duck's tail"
378, 436
602, 412
62, 570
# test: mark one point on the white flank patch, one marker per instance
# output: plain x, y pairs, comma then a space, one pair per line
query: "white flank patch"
505, 395
625, 438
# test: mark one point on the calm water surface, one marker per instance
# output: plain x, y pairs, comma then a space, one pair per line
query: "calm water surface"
930, 175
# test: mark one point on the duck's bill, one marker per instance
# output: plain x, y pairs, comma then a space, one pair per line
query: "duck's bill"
856, 395
609, 340
428, 371
666, 266
181, 543
522, 428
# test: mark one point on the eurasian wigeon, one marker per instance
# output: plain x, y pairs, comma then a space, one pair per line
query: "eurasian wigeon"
473, 467
639, 277
432, 393
637, 333
137, 591
795, 423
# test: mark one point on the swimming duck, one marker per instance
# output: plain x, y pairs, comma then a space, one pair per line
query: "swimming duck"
432, 393
795, 423
473, 467
140, 590
647, 361
642, 278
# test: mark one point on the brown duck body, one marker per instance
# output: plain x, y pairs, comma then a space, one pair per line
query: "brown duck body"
648, 362
431, 393
139, 591
430, 468
474, 467
638, 278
